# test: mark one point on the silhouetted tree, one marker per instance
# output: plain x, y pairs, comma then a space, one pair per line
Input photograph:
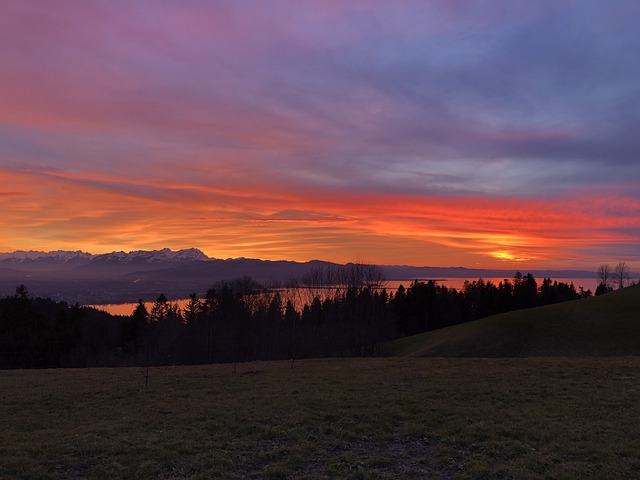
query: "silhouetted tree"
326, 280
525, 291
547, 292
482, 298
291, 319
399, 308
134, 330
193, 309
506, 296
210, 313
605, 274
22, 293
166, 326
67, 330
621, 274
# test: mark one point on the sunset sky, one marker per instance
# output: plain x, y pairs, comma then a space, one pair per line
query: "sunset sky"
498, 133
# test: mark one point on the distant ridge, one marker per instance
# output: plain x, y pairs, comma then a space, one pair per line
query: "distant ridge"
166, 255
116, 277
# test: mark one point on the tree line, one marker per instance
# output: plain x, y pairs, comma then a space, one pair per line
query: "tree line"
345, 312
609, 277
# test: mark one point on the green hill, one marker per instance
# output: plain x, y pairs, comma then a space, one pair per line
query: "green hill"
607, 325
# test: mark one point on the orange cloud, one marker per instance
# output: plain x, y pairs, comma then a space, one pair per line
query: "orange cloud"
101, 213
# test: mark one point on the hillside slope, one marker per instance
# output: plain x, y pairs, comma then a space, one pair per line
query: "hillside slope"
601, 326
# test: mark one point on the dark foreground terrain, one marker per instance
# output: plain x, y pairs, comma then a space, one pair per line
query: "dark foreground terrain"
607, 325
353, 418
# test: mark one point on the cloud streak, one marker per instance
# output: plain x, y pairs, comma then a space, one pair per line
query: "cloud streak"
121, 214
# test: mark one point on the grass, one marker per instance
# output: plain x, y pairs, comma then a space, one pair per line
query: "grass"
607, 325
528, 418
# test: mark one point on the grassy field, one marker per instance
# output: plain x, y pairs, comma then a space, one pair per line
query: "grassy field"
408, 418
607, 325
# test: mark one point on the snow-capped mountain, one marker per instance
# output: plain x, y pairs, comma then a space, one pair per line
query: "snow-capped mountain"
152, 256
78, 257
189, 255
57, 256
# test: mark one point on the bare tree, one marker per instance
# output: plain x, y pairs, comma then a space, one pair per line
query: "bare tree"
327, 281
621, 274
374, 277
321, 281
605, 274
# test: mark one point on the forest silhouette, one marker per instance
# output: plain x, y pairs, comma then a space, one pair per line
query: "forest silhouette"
329, 312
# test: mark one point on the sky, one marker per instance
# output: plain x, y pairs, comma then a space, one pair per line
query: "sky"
487, 134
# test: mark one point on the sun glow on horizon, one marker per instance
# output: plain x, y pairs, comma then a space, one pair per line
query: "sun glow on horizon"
399, 229
335, 225
511, 257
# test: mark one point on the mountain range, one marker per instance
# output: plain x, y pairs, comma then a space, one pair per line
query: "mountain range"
81, 258
116, 277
